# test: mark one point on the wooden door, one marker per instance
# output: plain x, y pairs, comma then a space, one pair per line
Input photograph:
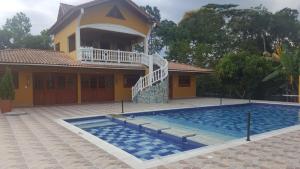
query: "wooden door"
54, 88
97, 88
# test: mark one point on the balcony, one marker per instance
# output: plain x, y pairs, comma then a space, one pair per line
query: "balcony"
90, 55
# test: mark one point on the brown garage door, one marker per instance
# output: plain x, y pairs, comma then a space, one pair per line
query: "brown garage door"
54, 88
97, 88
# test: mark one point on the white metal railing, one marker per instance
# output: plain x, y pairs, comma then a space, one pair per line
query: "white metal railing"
153, 77
94, 56
91, 55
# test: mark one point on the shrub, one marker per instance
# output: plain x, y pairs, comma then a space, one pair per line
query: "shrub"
7, 91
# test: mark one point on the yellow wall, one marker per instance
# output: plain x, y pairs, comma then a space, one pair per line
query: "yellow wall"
97, 14
24, 94
121, 93
183, 92
62, 38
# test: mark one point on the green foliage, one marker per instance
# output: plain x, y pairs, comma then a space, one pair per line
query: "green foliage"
18, 27
16, 34
242, 73
217, 29
42, 41
4, 39
7, 91
289, 68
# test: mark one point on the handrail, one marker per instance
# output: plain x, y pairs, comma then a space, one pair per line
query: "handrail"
96, 56
153, 77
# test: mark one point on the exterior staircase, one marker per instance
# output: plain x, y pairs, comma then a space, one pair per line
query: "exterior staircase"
151, 88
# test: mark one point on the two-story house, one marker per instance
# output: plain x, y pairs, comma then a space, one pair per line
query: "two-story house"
94, 60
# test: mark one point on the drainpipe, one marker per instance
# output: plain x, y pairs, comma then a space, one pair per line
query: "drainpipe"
78, 51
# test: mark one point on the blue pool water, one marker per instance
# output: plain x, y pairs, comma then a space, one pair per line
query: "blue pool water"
143, 143
230, 120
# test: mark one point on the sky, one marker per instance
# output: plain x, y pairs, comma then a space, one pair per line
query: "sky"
43, 13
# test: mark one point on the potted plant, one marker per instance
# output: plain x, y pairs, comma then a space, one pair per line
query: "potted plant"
7, 91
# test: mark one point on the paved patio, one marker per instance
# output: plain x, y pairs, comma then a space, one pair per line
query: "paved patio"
36, 141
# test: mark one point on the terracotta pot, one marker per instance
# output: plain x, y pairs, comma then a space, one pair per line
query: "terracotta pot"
6, 106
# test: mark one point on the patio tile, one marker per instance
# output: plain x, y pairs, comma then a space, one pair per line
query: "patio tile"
37, 141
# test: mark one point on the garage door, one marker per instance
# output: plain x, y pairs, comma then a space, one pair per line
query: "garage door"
97, 88
54, 88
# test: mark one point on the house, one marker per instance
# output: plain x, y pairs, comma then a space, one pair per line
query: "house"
94, 60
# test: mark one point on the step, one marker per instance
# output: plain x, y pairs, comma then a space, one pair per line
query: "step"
90, 121
92, 125
179, 133
156, 127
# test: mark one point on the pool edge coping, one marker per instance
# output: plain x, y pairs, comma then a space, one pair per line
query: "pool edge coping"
134, 162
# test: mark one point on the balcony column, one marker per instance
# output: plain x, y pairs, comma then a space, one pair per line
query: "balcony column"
77, 35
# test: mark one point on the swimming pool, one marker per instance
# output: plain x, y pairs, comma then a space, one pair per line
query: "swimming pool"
136, 134
143, 143
228, 120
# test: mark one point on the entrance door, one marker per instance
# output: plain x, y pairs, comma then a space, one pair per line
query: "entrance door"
97, 88
54, 88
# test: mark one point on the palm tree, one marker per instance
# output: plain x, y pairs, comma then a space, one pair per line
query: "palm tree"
289, 67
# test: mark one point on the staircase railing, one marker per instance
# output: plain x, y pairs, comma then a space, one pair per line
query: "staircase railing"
91, 55
153, 77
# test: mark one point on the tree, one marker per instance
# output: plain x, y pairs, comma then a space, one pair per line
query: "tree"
42, 41
203, 31
7, 91
289, 68
4, 39
242, 73
155, 43
18, 28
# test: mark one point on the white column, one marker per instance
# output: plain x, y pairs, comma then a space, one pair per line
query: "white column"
77, 37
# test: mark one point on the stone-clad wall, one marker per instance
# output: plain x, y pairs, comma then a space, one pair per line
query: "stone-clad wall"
158, 93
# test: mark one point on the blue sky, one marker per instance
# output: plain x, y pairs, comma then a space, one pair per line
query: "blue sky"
43, 12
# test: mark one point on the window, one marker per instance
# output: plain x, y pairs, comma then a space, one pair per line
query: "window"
50, 83
72, 45
93, 83
184, 81
57, 47
61, 82
38, 83
71, 82
115, 13
85, 82
130, 80
101, 82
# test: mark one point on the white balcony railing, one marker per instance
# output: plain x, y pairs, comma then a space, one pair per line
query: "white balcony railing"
94, 56
99, 56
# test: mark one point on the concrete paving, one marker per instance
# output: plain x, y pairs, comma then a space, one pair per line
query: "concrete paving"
36, 141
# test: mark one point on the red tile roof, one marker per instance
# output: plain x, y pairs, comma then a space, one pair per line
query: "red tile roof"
179, 67
36, 57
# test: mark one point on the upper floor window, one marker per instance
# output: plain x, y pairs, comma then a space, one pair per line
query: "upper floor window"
57, 47
184, 81
115, 13
72, 45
